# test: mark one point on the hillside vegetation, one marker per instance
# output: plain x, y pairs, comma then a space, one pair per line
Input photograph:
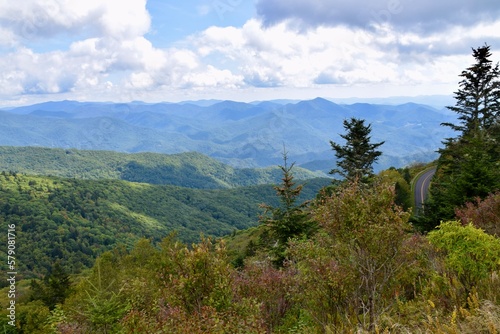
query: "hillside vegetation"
75, 220
362, 269
191, 170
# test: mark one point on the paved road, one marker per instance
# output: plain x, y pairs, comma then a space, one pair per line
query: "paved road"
422, 187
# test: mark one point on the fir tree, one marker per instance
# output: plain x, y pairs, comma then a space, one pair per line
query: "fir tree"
478, 99
356, 157
289, 220
468, 166
54, 288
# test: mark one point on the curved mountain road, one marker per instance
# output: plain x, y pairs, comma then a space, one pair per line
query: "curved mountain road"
422, 184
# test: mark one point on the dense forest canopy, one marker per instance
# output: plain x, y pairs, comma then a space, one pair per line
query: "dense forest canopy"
190, 169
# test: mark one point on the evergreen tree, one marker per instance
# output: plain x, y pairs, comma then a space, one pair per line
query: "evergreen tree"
468, 166
357, 156
478, 99
289, 220
54, 288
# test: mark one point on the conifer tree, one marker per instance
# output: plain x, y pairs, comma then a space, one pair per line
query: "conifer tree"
478, 99
357, 156
54, 288
288, 220
468, 166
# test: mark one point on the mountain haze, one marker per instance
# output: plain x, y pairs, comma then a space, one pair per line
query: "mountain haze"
237, 133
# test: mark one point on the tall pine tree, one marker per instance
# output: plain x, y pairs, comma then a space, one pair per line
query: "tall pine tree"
469, 165
356, 157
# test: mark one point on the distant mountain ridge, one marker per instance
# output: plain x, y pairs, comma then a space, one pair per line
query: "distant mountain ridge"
237, 133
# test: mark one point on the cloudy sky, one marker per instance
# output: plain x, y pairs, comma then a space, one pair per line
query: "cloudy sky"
243, 50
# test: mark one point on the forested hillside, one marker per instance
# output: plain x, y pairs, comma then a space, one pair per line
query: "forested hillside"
191, 169
76, 220
360, 267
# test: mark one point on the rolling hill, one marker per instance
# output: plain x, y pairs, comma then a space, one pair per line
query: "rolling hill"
191, 169
74, 220
71, 205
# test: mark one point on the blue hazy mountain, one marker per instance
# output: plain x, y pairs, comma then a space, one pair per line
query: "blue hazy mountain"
241, 134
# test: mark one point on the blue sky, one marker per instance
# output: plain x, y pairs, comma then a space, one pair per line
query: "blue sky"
172, 21
243, 50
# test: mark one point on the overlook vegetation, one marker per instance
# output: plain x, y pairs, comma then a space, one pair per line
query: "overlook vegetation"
325, 257
362, 268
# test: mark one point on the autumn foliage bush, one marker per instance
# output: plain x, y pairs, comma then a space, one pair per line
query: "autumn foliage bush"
483, 213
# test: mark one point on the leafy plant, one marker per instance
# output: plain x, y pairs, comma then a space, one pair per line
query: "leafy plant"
482, 213
469, 252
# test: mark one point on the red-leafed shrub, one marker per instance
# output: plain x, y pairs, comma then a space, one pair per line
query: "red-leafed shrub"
484, 213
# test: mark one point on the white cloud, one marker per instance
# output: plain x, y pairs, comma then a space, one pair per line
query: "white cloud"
141, 80
111, 55
278, 56
38, 19
211, 77
125, 19
28, 73
115, 42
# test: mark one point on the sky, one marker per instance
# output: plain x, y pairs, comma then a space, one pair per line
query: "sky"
242, 50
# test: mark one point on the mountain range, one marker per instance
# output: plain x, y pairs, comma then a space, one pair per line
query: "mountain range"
239, 134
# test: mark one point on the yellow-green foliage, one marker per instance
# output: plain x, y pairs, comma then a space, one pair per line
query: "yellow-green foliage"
190, 169
77, 220
363, 271
361, 259
469, 252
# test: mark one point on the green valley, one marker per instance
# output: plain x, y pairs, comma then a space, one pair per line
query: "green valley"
75, 220
191, 169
